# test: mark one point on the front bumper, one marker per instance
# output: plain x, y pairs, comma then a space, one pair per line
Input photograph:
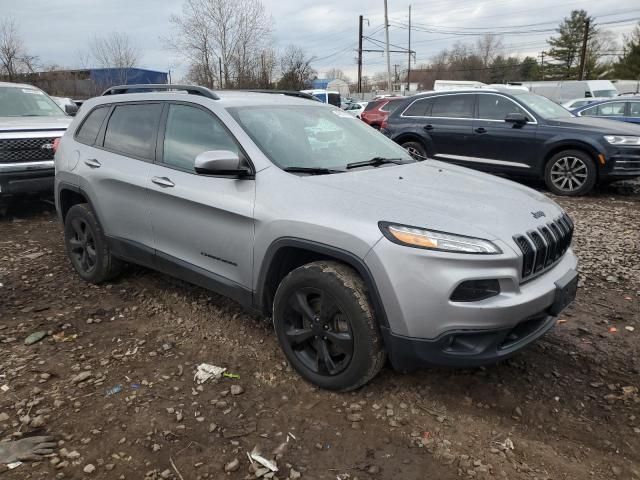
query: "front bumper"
621, 163
26, 177
426, 328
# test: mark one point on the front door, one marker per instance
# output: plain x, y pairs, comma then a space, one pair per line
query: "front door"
201, 224
503, 146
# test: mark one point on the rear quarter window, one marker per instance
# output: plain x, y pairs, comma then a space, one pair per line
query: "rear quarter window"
88, 131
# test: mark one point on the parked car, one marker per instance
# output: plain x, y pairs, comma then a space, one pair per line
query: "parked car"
302, 213
581, 102
625, 109
564, 90
517, 133
377, 110
68, 105
356, 108
30, 123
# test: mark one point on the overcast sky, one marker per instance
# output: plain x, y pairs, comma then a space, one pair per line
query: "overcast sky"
57, 31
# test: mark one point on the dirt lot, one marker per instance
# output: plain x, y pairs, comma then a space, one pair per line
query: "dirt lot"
566, 408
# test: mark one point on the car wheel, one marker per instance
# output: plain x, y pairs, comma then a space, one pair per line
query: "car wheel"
326, 326
416, 150
570, 172
87, 246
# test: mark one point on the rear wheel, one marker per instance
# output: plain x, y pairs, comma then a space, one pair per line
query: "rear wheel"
415, 149
570, 172
326, 327
87, 246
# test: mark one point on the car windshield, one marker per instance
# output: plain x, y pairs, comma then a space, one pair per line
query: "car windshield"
543, 106
605, 93
27, 102
315, 137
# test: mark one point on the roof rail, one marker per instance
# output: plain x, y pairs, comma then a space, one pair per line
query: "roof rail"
155, 87
289, 93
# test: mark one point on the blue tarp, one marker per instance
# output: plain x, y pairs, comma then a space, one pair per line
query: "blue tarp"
320, 83
127, 76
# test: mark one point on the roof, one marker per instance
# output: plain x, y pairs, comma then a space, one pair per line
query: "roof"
17, 85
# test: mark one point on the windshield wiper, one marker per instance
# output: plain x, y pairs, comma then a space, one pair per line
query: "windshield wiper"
311, 170
376, 162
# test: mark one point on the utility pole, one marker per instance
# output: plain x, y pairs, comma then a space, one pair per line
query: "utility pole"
583, 55
386, 35
409, 53
360, 55
220, 70
542, 54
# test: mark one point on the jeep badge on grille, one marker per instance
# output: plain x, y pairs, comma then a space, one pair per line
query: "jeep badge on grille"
538, 214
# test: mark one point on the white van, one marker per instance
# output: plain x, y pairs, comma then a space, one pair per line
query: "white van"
565, 90
325, 96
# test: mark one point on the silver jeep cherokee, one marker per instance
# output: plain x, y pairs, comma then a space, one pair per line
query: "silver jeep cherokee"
300, 211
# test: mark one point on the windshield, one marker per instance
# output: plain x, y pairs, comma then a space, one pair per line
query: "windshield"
314, 136
543, 106
27, 102
605, 93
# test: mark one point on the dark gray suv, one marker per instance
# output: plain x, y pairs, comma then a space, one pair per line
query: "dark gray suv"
517, 133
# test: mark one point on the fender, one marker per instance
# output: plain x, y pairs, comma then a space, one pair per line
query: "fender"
75, 188
417, 134
347, 257
559, 141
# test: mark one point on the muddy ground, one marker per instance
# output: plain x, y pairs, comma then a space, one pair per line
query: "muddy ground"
565, 408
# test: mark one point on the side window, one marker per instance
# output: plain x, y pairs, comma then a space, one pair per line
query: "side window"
634, 109
419, 108
496, 107
589, 111
615, 109
191, 131
454, 106
89, 129
131, 129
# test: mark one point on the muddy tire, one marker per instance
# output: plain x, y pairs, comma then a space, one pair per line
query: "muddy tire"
416, 150
326, 326
87, 246
570, 173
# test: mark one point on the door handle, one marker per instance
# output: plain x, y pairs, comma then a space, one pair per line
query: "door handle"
480, 130
428, 127
163, 182
92, 162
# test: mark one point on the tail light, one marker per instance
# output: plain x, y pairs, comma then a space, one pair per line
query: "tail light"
56, 143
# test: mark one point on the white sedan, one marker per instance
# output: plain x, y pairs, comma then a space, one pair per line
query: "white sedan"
356, 109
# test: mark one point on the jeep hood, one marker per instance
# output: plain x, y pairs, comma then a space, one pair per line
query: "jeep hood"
438, 196
12, 124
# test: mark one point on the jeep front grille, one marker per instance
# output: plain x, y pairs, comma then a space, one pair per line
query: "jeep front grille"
26, 149
543, 247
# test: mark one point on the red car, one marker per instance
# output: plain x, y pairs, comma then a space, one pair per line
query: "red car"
377, 111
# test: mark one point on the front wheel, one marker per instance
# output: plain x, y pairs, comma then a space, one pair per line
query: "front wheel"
571, 173
326, 327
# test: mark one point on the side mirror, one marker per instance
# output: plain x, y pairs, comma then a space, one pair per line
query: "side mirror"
71, 110
518, 119
221, 163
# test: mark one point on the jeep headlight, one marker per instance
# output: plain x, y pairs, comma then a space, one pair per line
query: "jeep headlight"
622, 139
434, 240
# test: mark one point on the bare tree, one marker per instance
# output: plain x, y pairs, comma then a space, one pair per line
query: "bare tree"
115, 50
14, 59
295, 68
337, 73
234, 33
488, 47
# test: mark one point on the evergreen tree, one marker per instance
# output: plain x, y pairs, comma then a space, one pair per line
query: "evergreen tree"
566, 47
628, 66
529, 69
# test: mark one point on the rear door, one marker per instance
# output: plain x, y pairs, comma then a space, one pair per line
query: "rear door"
502, 146
633, 115
113, 167
449, 126
201, 224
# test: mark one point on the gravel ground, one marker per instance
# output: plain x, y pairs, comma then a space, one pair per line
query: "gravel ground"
112, 379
